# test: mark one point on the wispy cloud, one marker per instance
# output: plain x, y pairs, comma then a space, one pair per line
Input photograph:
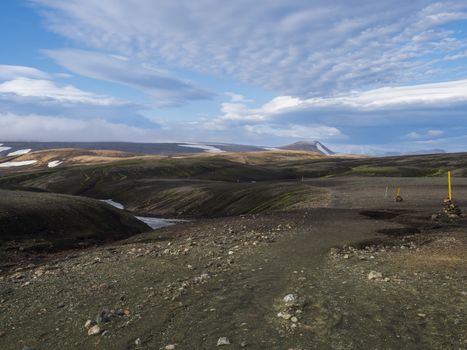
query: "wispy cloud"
424, 134
302, 48
8, 72
49, 90
388, 98
28, 91
163, 89
294, 131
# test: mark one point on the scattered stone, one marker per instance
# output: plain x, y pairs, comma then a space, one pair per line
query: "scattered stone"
346, 256
243, 344
294, 319
290, 299
94, 330
223, 341
373, 275
170, 347
88, 324
450, 211
104, 316
421, 315
284, 315
19, 275
138, 342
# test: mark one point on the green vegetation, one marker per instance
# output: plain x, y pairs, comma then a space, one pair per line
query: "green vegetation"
220, 185
380, 170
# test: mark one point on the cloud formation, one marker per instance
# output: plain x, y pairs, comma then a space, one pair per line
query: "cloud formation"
47, 89
163, 89
29, 91
424, 96
294, 131
301, 48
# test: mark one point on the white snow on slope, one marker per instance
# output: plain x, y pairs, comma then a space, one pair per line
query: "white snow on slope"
152, 222
19, 152
113, 203
54, 163
206, 148
12, 164
4, 148
270, 148
156, 223
318, 145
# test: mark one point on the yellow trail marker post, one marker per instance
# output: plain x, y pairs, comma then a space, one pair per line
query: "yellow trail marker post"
398, 195
449, 186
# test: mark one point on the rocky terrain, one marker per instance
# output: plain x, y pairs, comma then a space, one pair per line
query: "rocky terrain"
345, 267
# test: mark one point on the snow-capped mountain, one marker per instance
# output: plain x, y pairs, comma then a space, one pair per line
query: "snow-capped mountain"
310, 146
11, 149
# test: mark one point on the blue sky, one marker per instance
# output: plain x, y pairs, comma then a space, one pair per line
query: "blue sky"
360, 76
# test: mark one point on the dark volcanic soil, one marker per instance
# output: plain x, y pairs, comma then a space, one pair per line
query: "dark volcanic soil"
347, 285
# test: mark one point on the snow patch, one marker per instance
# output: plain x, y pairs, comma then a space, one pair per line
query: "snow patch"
270, 148
54, 163
22, 163
322, 149
152, 222
113, 203
156, 223
19, 152
4, 148
205, 148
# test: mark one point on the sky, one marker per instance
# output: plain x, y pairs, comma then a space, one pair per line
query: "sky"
370, 77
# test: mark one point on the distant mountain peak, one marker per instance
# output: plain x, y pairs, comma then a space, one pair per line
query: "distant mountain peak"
310, 146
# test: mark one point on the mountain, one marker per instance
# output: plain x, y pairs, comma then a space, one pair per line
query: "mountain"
162, 148
310, 146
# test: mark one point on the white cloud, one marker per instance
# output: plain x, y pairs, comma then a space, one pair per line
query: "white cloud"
305, 48
8, 72
294, 131
234, 97
163, 89
387, 98
46, 89
33, 127
423, 135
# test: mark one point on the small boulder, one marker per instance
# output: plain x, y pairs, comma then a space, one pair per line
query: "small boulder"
289, 299
373, 275
223, 341
94, 330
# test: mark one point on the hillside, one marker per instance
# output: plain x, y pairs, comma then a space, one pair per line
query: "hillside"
44, 221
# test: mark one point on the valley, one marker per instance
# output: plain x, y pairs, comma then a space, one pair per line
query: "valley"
276, 250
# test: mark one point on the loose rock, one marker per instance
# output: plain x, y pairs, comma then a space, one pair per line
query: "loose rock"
223, 341
375, 275
94, 330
